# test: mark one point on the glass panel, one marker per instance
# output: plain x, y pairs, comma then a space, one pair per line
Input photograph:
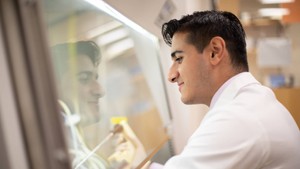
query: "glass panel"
107, 76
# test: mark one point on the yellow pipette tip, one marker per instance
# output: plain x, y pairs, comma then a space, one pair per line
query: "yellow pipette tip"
118, 119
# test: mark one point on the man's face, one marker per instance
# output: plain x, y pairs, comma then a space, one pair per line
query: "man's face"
191, 70
81, 90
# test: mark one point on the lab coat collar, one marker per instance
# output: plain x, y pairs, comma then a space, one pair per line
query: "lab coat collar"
231, 87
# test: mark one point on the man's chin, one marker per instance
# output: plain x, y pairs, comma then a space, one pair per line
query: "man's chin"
89, 117
187, 101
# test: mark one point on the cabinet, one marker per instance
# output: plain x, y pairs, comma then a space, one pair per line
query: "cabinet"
290, 97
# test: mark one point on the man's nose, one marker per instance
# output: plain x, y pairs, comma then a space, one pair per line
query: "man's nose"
173, 75
97, 89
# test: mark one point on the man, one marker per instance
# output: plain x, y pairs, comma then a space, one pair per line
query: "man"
76, 71
75, 65
246, 127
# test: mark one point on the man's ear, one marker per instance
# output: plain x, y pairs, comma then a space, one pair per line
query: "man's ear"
217, 46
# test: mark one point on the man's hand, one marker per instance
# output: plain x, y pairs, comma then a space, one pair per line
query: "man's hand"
129, 151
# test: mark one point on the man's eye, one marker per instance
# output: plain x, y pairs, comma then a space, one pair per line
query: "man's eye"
179, 59
83, 78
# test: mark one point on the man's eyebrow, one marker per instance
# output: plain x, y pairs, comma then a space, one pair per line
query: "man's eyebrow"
85, 72
173, 54
88, 72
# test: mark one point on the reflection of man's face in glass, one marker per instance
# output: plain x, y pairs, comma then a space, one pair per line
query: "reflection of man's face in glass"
81, 90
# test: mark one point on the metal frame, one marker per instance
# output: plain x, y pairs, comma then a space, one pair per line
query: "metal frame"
30, 69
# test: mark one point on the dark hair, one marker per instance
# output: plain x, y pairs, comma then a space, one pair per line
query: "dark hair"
62, 53
203, 26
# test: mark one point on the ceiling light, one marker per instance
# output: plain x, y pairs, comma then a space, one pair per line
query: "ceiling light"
273, 12
102, 29
112, 36
118, 48
114, 13
275, 1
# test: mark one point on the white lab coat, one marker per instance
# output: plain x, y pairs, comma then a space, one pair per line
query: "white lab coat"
246, 128
77, 147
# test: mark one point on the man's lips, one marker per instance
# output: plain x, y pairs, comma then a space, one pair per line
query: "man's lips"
180, 86
93, 102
